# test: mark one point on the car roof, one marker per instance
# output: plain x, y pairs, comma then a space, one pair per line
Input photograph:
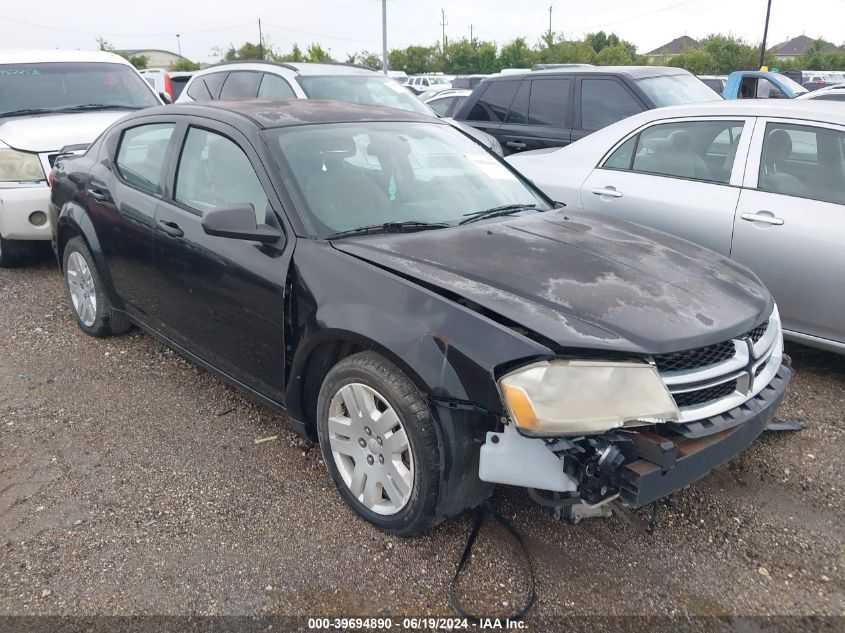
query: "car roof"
634, 72
276, 113
51, 55
450, 92
300, 68
825, 111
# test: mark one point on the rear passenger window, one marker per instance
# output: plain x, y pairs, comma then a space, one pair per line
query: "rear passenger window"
240, 85
622, 157
805, 161
213, 171
697, 150
214, 81
140, 156
518, 112
198, 91
441, 106
494, 102
274, 87
549, 99
605, 101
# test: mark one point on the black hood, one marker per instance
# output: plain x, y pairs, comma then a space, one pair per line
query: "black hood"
582, 281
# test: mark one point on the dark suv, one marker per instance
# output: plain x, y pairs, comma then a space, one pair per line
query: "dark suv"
552, 108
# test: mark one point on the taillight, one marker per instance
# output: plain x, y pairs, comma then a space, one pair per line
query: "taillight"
168, 87
50, 180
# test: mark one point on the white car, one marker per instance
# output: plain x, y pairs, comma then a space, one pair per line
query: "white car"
295, 80
445, 102
53, 101
762, 182
831, 93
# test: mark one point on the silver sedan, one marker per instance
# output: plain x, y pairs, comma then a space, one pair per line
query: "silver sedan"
762, 182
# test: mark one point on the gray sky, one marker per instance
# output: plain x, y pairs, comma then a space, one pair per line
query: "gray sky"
345, 26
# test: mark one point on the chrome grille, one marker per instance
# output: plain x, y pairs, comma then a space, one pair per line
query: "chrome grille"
711, 380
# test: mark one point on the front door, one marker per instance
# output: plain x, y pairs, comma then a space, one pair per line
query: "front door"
222, 299
790, 224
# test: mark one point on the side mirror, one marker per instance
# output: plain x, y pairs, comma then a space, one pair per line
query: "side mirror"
165, 97
238, 223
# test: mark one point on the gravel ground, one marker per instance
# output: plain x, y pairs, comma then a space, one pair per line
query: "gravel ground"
126, 488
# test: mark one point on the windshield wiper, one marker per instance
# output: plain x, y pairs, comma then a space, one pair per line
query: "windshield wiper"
26, 111
97, 106
505, 209
407, 226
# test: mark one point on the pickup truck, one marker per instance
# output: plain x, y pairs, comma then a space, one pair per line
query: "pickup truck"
758, 84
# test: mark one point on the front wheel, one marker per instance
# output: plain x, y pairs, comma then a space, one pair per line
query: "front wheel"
379, 443
86, 293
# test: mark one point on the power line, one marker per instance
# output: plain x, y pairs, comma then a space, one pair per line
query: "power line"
116, 34
633, 17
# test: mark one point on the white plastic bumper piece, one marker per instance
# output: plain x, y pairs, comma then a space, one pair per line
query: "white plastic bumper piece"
17, 204
513, 459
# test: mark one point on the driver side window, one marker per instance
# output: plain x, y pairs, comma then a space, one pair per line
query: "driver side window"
213, 172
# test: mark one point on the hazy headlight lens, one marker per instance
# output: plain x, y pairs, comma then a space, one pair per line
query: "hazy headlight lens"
18, 166
573, 397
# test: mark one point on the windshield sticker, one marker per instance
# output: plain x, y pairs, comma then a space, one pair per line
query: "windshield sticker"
490, 166
20, 72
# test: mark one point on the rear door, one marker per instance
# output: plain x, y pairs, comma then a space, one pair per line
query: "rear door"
241, 84
122, 195
540, 115
602, 100
222, 299
680, 176
790, 224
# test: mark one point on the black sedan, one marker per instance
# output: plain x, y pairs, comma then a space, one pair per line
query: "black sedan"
417, 306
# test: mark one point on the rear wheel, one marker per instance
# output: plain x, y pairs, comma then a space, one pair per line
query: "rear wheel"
379, 443
91, 307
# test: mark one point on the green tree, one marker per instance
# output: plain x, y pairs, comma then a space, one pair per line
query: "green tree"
295, 55
366, 58
414, 60
317, 54
516, 54
614, 55
248, 50
184, 64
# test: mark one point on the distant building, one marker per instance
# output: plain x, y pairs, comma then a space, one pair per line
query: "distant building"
678, 46
156, 58
796, 47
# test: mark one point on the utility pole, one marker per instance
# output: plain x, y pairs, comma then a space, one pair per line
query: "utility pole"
551, 8
179, 44
443, 25
260, 42
384, 36
765, 35
470, 34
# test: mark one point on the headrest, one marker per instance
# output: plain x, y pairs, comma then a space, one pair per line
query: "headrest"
778, 146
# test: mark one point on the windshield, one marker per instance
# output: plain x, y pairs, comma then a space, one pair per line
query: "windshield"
61, 85
367, 89
350, 175
674, 89
794, 86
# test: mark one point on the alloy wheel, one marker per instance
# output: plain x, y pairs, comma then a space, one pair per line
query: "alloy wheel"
83, 294
370, 448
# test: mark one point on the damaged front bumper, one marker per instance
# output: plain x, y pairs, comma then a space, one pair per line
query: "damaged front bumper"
637, 465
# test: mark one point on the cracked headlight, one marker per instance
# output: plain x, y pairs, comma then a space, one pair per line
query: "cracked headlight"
579, 397
18, 166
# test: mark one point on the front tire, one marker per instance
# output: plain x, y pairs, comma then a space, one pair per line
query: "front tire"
379, 443
86, 293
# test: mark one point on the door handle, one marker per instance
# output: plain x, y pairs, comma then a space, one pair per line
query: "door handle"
98, 195
763, 216
607, 191
171, 228
516, 144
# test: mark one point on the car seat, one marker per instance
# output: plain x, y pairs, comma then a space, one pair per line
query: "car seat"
776, 152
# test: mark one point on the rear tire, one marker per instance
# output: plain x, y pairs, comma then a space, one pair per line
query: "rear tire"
381, 450
86, 293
